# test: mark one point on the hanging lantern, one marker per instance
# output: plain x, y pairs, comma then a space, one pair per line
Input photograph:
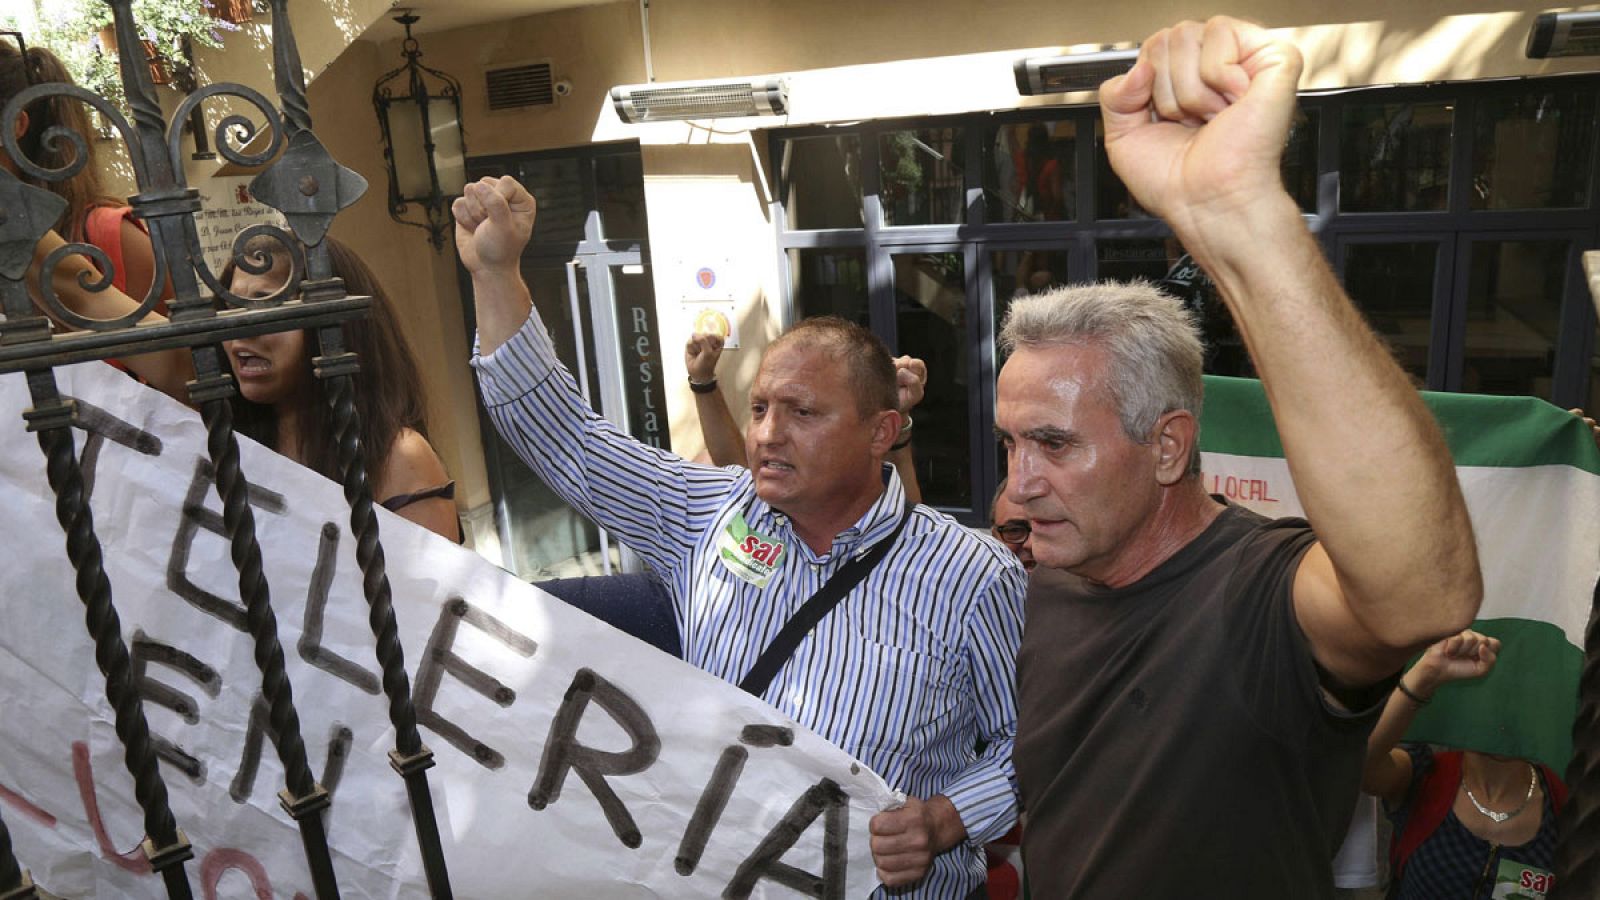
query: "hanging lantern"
419, 110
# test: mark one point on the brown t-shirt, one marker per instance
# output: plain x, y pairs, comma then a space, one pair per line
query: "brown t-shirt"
1172, 739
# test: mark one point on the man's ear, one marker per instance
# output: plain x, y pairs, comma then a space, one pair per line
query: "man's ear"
1176, 436
22, 124
885, 431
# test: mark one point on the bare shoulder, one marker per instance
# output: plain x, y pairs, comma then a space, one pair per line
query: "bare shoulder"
411, 466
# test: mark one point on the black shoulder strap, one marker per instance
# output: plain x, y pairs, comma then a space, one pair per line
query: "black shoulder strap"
815, 609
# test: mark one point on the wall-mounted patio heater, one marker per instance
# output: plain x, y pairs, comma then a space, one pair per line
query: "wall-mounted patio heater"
636, 103
1564, 34
1066, 74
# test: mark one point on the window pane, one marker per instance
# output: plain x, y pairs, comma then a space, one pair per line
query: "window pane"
1513, 316
1018, 273
642, 376
1164, 262
1532, 151
1300, 159
1130, 258
823, 179
1395, 157
931, 312
1111, 197
830, 283
558, 185
920, 177
619, 194
1030, 173
1393, 284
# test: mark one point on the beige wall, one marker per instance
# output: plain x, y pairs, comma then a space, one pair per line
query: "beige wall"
420, 280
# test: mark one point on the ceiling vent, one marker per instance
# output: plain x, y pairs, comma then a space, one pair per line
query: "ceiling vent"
518, 86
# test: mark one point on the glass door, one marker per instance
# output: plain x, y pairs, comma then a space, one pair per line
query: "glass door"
540, 535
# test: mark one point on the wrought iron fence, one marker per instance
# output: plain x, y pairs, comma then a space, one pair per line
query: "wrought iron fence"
309, 187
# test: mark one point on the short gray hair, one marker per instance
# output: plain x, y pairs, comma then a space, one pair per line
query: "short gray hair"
1153, 341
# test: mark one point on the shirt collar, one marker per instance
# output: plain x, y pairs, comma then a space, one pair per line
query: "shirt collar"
874, 525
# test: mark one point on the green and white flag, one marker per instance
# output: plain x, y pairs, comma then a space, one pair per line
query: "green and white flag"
1531, 476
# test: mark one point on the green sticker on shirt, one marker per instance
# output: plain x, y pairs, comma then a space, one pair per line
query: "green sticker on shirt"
748, 554
1520, 881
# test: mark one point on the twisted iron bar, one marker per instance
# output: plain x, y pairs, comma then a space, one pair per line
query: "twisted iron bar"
168, 207
309, 216
305, 799
51, 417
411, 758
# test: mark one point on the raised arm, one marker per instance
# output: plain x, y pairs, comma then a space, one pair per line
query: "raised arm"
1461, 656
494, 220
654, 502
911, 379
1196, 130
724, 440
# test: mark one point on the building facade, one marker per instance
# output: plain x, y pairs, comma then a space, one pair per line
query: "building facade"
1452, 182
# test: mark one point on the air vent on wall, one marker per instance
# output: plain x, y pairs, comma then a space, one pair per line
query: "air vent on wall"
518, 86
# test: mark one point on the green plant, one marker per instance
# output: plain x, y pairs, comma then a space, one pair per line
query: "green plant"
72, 30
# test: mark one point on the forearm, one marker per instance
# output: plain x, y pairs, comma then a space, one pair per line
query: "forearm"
1368, 462
503, 303
1387, 770
724, 442
649, 499
168, 371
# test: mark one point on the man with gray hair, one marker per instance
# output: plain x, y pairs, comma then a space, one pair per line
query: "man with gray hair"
1196, 682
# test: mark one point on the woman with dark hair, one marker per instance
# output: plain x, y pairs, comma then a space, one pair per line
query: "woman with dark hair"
280, 404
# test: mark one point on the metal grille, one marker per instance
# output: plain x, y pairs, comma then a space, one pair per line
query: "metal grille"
309, 187
518, 86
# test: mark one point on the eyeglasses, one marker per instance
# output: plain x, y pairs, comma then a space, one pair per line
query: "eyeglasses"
1014, 532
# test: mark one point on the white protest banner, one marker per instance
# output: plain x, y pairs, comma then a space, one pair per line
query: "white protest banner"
694, 789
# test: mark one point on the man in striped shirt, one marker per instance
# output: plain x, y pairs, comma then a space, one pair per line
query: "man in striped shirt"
912, 672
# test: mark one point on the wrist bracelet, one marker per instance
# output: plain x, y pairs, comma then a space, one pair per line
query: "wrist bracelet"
702, 387
905, 427
1420, 701
900, 444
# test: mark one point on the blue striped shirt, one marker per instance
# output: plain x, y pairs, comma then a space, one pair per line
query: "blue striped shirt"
912, 670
